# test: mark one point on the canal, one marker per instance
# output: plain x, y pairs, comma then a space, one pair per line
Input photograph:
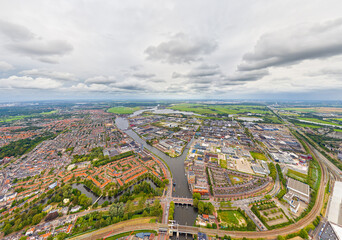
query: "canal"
183, 215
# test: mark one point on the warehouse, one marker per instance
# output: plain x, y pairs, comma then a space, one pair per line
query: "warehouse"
335, 206
299, 189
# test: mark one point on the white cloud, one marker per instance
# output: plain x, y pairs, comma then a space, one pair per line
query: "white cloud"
17, 82
49, 74
4, 66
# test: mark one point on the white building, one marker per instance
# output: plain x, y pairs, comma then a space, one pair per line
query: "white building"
335, 205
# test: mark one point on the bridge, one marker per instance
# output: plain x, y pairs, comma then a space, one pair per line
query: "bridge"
183, 201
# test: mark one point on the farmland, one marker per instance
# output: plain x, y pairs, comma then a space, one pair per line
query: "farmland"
221, 109
123, 110
314, 109
316, 120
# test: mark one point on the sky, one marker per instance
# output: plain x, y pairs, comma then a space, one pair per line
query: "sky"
194, 49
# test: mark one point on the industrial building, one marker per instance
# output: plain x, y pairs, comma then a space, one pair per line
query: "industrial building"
335, 206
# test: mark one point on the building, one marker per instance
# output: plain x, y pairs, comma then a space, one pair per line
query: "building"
75, 209
47, 208
299, 190
291, 199
335, 205
53, 185
339, 155
331, 231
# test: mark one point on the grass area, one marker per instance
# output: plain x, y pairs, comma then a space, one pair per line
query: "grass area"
338, 130
221, 109
14, 118
231, 217
257, 155
307, 125
314, 109
226, 204
223, 163
130, 233
297, 175
316, 120
48, 113
123, 110
235, 180
20, 117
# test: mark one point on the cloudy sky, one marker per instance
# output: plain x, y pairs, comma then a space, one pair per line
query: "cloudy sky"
154, 49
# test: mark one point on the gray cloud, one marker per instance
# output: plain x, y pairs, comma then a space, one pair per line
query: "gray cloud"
42, 49
181, 49
247, 76
15, 32
143, 75
295, 44
202, 74
102, 79
22, 41
326, 71
204, 71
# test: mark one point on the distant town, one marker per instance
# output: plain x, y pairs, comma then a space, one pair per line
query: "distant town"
159, 170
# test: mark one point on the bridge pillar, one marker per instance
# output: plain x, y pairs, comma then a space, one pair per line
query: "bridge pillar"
170, 233
177, 234
186, 235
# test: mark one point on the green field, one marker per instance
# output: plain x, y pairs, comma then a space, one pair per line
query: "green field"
297, 175
338, 130
307, 125
123, 110
220, 109
231, 217
20, 117
48, 113
318, 121
304, 110
223, 163
259, 156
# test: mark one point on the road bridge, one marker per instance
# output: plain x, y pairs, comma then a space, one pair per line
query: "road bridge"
183, 201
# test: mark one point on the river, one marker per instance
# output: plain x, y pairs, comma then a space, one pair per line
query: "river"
183, 215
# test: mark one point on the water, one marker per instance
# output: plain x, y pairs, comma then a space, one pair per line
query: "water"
176, 165
93, 197
161, 111
183, 215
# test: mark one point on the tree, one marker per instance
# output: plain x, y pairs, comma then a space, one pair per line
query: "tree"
84, 201
196, 196
105, 204
303, 234
280, 237
37, 218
